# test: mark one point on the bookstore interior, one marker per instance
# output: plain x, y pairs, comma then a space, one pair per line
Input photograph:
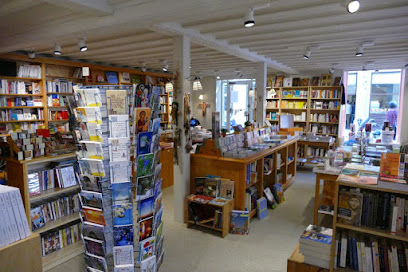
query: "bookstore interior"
186, 136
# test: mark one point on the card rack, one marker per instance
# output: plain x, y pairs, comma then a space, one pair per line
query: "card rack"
121, 229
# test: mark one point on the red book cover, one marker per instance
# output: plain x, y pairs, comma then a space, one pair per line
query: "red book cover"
43, 132
65, 115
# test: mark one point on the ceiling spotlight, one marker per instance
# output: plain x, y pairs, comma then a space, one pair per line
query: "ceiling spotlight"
82, 45
144, 68
364, 68
331, 71
165, 66
352, 6
359, 52
307, 54
201, 97
249, 20
31, 54
218, 77
57, 49
197, 84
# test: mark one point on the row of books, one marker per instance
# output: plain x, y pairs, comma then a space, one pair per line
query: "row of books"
19, 87
55, 240
326, 118
21, 115
31, 71
325, 94
292, 105
251, 173
323, 129
321, 105
281, 81
272, 116
59, 86
363, 253
55, 115
214, 186
315, 152
30, 127
13, 223
251, 196
300, 117
53, 210
56, 100
217, 219
272, 104
63, 177
315, 244
294, 94
20, 102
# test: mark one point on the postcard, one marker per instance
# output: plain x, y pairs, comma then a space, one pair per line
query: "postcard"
145, 187
122, 214
123, 235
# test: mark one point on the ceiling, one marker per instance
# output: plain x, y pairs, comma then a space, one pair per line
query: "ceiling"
130, 32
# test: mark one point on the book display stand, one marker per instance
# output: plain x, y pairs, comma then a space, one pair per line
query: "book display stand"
121, 190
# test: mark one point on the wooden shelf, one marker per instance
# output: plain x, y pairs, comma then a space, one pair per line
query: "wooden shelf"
21, 78
55, 107
62, 93
252, 213
300, 121
62, 120
282, 164
47, 158
400, 235
53, 192
22, 107
290, 162
325, 98
62, 255
370, 187
276, 98
22, 121
284, 98
328, 123
64, 77
272, 109
58, 222
322, 87
204, 225
288, 183
251, 184
323, 110
287, 109
22, 95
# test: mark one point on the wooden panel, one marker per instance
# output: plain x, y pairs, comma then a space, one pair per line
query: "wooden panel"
23, 255
17, 177
167, 170
226, 217
296, 263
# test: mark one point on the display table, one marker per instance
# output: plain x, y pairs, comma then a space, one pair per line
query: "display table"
329, 183
296, 263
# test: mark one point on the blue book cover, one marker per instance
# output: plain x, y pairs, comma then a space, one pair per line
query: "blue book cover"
112, 77
262, 208
143, 142
239, 222
122, 214
146, 207
123, 235
316, 237
121, 193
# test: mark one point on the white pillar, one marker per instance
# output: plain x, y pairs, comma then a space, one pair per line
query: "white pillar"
261, 70
403, 109
181, 67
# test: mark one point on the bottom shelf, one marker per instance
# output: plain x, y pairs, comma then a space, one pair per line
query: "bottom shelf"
62, 255
204, 225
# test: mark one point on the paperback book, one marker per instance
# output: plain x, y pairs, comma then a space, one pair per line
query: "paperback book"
239, 222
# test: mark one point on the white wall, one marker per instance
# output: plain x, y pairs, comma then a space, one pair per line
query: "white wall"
209, 93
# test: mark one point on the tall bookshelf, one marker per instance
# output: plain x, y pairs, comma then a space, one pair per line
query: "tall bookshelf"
65, 70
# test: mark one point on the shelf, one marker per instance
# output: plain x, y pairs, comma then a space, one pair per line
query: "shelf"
370, 187
284, 98
204, 225
300, 121
326, 98
290, 162
22, 107
339, 269
272, 109
62, 255
64, 77
325, 110
58, 222
21, 78
62, 93
400, 235
328, 123
63, 132
251, 184
62, 120
287, 109
330, 134
52, 193
21, 121
267, 173
282, 164
22, 95
48, 158
288, 183
270, 120
55, 107
276, 98
320, 87
252, 213
162, 94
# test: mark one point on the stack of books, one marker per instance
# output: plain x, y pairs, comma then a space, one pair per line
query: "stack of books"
315, 245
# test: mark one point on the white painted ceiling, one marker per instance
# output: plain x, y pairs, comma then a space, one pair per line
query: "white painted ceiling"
126, 32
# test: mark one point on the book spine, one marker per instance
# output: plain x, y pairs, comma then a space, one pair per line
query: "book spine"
13, 224
369, 260
394, 218
16, 214
376, 259
359, 257
395, 266
343, 251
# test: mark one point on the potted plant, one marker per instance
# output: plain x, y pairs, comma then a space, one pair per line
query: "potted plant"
224, 132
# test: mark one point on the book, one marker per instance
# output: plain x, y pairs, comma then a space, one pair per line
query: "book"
144, 140
112, 77
119, 149
261, 207
279, 81
135, 79
350, 208
200, 199
226, 188
37, 218
296, 81
122, 214
305, 82
144, 164
123, 255
93, 231
219, 201
120, 171
211, 187
315, 81
121, 193
145, 187
239, 222
142, 116
277, 191
123, 235
90, 183
146, 228
125, 77
337, 81
116, 102
271, 199
146, 208
199, 185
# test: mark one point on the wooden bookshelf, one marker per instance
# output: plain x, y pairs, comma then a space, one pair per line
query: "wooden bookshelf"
62, 221
62, 255
20, 78
50, 193
60, 93
21, 107
22, 121
22, 95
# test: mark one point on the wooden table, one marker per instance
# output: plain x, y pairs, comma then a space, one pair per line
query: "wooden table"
329, 184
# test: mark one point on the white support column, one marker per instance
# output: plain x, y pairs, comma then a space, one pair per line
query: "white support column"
181, 60
260, 78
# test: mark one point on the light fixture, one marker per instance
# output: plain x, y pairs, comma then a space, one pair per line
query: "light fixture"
249, 20
201, 97
82, 45
218, 77
352, 6
144, 67
197, 84
165, 66
169, 87
364, 68
31, 54
359, 52
307, 54
332, 70
57, 49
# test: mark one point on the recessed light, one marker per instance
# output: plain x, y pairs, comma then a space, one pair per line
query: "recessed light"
352, 6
